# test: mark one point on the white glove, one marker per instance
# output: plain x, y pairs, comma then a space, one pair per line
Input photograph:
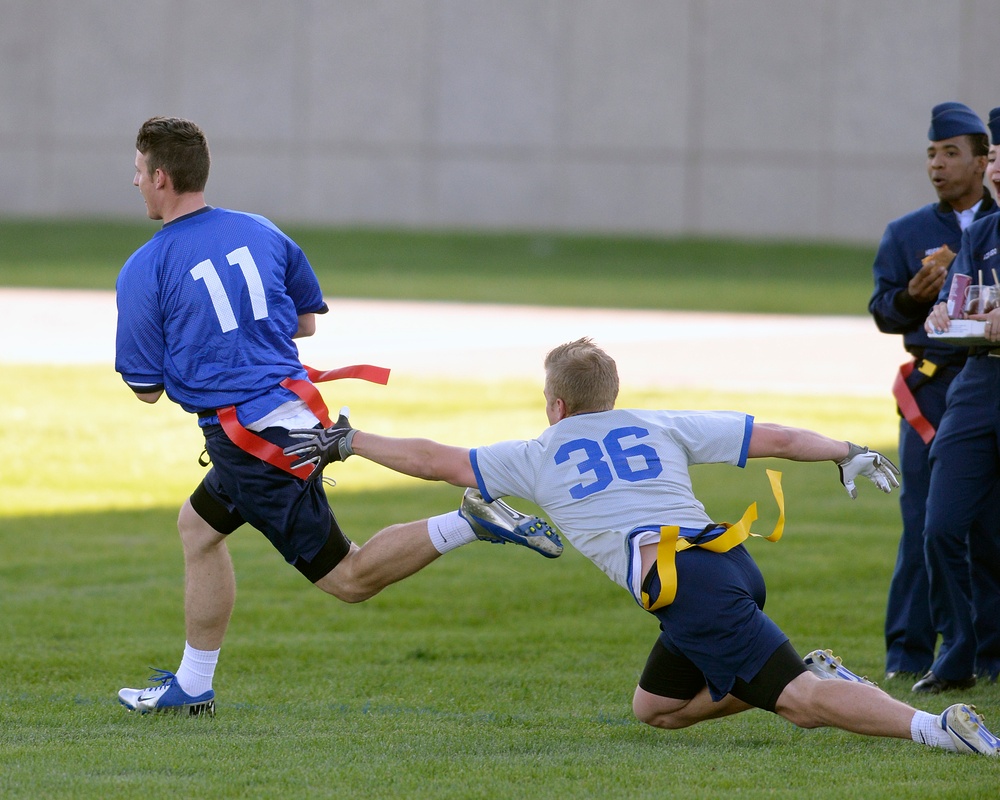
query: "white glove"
869, 464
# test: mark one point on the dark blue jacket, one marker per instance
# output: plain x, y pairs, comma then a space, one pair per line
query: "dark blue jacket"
980, 253
904, 244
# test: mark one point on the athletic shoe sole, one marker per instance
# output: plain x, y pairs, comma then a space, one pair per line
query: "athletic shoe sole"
497, 522
824, 664
966, 728
204, 709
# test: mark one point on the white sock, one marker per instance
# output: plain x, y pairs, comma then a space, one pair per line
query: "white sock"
448, 531
197, 669
926, 729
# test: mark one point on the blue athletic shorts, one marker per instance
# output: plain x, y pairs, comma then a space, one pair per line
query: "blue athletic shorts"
717, 619
293, 514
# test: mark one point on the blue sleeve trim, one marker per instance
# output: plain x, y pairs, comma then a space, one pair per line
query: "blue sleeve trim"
747, 433
474, 459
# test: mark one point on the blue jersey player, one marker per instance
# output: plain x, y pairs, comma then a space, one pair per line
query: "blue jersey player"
909, 271
616, 483
963, 558
207, 313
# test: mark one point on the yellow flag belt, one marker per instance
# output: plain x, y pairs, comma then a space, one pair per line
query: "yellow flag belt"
671, 543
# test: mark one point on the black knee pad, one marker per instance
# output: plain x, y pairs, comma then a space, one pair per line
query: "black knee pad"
763, 691
670, 674
224, 519
337, 546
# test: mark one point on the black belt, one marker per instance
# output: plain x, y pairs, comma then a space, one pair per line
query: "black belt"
938, 359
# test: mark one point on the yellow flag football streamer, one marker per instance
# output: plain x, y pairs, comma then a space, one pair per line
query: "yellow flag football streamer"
671, 543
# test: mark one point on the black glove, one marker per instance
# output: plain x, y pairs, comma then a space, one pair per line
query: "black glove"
320, 446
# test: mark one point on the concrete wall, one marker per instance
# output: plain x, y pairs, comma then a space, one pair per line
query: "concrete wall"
787, 118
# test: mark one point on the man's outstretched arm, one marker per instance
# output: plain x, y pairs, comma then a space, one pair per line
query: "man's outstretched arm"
798, 444
421, 458
768, 440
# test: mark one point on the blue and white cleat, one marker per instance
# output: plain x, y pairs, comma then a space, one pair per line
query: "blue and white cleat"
968, 731
824, 664
498, 522
167, 698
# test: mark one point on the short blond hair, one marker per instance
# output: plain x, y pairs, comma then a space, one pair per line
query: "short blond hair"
582, 375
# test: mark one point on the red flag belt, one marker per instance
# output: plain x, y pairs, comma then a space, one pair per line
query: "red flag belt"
908, 404
309, 394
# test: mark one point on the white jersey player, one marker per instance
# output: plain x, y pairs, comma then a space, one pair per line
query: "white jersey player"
616, 484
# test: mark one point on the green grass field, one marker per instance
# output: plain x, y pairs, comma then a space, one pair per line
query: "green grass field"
492, 674
533, 268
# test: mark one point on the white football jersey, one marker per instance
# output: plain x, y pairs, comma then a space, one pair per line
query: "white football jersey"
600, 476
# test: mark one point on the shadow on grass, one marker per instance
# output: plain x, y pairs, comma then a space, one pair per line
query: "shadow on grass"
492, 673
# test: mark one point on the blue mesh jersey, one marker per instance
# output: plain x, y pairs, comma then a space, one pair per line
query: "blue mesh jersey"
601, 476
207, 310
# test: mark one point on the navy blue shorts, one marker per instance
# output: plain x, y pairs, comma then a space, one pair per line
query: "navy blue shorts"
717, 619
293, 514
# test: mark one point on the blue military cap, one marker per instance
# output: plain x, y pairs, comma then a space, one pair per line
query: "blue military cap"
995, 126
953, 119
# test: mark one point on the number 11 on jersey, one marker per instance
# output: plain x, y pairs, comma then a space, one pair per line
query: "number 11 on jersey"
205, 271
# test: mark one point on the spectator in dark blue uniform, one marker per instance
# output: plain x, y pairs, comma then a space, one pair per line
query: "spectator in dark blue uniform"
963, 558
909, 271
